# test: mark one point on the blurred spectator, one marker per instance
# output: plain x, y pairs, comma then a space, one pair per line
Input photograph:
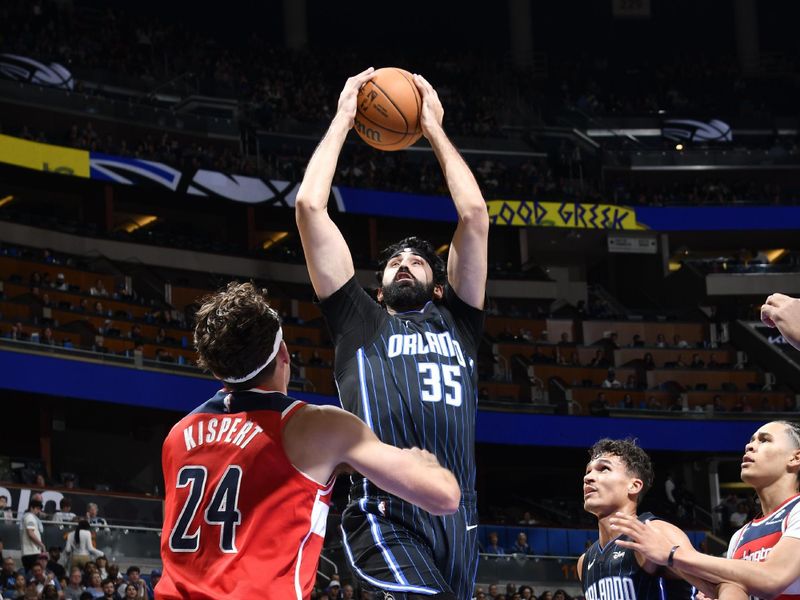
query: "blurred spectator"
138, 589
8, 573
18, 588
521, 545
93, 517
98, 289
492, 547
95, 587
6, 514
31, 535
80, 548
54, 563
155, 577
60, 283
64, 514
74, 588
611, 380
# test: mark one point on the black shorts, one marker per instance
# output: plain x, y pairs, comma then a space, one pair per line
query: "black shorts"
396, 547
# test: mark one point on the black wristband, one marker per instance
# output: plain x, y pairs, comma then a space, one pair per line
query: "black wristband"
671, 558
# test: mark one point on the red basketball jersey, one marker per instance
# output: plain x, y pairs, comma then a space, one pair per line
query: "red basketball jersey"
240, 521
755, 540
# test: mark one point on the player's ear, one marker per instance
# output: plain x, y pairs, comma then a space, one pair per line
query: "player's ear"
283, 353
635, 486
379, 295
438, 292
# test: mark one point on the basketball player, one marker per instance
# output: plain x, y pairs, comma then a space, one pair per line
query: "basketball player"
249, 473
766, 551
783, 312
618, 475
407, 368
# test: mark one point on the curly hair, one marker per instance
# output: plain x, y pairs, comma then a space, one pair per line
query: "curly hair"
234, 333
419, 246
636, 460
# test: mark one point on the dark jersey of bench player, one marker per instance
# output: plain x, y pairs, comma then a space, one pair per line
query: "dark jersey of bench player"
613, 573
412, 377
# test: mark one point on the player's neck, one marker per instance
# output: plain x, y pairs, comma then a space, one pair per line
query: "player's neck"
776, 493
606, 533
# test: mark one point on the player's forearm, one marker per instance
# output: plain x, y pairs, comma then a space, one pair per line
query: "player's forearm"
730, 591
759, 579
316, 186
460, 180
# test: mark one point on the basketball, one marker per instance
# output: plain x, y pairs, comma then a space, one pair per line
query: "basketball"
388, 111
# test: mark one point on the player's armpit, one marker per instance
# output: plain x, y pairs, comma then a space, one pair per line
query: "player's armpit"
580, 567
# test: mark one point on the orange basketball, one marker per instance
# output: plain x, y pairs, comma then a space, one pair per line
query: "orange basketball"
388, 111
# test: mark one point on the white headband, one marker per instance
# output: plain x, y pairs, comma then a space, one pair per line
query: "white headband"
273, 354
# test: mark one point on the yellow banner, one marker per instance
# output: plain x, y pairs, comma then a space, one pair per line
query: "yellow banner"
44, 157
577, 215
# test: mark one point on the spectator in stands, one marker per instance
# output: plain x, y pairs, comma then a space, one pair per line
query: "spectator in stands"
60, 283
80, 547
6, 514
54, 563
626, 402
102, 566
18, 332
521, 545
347, 592
8, 573
42, 578
74, 588
493, 548
648, 361
64, 514
95, 587
637, 341
599, 406
31, 535
712, 362
561, 595
46, 337
739, 517
83, 306
18, 588
526, 592
611, 381
599, 359
564, 341
98, 308
92, 516
527, 519
98, 289
679, 342
631, 383
718, 405
155, 577
136, 583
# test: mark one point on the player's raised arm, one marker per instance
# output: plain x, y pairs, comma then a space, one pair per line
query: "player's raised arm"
342, 438
329, 261
467, 261
783, 312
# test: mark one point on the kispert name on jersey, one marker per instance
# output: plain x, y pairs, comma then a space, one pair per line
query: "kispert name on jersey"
613, 573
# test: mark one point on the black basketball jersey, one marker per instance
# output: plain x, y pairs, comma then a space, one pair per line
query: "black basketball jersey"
412, 377
612, 573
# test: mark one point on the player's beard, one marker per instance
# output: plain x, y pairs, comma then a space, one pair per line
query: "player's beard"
402, 297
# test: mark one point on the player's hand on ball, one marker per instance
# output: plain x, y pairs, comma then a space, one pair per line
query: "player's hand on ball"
432, 109
348, 99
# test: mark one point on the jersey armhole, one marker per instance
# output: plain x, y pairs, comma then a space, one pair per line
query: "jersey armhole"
286, 416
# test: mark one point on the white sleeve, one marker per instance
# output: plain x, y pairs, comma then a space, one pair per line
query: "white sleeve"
734, 542
793, 522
